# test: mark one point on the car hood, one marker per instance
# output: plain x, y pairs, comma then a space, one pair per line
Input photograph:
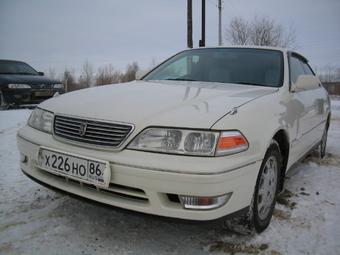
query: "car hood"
165, 103
26, 79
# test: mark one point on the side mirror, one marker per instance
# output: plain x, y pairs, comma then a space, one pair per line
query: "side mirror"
41, 73
305, 82
140, 74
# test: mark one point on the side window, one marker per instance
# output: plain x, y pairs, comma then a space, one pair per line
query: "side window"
296, 69
307, 68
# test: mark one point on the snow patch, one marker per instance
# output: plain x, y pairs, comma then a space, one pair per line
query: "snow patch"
35, 220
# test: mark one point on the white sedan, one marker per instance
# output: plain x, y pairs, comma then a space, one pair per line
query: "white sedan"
208, 133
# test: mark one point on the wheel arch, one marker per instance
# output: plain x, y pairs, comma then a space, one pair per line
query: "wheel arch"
282, 138
328, 121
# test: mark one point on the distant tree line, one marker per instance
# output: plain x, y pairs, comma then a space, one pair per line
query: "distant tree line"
328, 73
107, 74
330, 77
89, 78
333, 88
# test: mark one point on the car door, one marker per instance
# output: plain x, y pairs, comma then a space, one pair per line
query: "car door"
310, 113
321, 104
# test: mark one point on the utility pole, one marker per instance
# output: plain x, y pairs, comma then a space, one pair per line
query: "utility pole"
202, 41
220, 22
189, 24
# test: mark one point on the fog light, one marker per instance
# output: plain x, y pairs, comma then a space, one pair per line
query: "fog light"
23, 158
203, 203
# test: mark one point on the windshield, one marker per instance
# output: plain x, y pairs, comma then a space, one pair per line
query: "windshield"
13, 67
225, 65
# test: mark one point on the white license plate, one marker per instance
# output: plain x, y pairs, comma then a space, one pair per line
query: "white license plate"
81, 168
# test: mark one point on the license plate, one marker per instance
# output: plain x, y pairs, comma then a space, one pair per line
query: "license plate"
43, 93
76, 167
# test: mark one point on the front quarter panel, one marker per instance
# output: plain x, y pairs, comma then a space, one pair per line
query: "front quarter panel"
258, 121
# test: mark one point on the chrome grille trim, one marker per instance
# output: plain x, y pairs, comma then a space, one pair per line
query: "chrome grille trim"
101, 134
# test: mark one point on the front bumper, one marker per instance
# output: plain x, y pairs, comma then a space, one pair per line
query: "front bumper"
148, 189
28, 96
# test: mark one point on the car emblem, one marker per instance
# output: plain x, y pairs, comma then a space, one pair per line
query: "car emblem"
82, 129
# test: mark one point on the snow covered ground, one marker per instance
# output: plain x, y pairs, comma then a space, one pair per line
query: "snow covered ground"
35, 220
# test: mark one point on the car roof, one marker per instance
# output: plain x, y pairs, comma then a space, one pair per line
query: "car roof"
245, 47
11, 60
284, 50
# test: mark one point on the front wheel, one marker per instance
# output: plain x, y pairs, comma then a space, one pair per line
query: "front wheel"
266, 188
264, 198
2, 101
3, 104
323, 143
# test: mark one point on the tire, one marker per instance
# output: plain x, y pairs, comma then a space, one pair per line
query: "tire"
3, 104
266, 188
255, 219
323, 143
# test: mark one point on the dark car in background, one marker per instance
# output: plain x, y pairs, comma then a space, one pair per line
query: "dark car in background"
22, 84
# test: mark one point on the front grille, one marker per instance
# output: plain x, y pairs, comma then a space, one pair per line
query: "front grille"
43, 86
86, 131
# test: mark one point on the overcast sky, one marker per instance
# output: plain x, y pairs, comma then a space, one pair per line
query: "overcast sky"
63, 34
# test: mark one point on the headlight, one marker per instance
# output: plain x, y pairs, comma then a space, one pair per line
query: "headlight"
189, 142
41, 120
19, 86
58, 86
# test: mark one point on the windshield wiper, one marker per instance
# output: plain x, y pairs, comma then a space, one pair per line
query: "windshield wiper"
250, 83
25, 73
179, 79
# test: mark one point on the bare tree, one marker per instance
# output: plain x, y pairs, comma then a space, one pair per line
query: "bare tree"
238, 31
130, 73
107, 75
51, 73
154, 63
338, 74
261, 31
329, 73
69, 81
87, 76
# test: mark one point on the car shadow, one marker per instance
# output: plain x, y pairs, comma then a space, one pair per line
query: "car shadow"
111, 227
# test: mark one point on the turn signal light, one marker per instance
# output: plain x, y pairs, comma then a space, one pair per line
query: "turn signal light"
231, 142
